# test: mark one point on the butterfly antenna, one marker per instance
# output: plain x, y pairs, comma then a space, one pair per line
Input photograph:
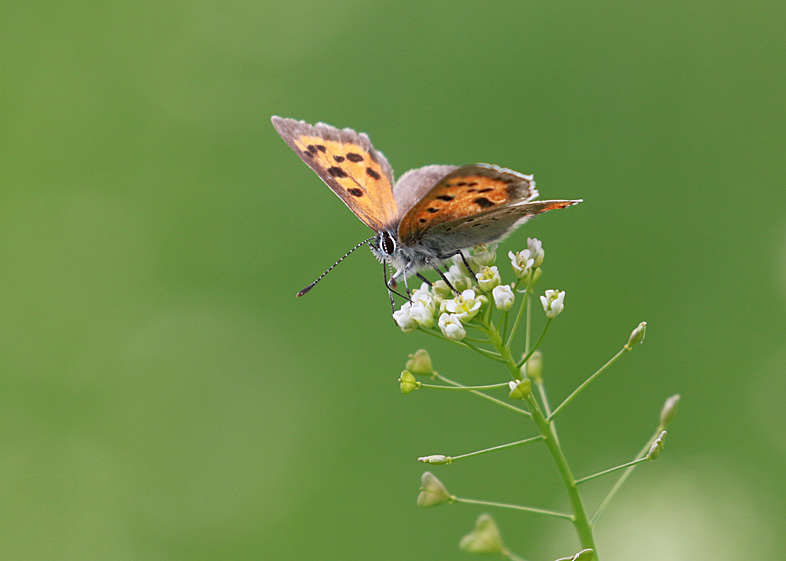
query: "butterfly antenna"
313, 284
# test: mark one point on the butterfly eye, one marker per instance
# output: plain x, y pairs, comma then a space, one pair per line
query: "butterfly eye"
388, 243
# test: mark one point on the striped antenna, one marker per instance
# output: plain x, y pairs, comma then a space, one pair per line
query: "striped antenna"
310, 286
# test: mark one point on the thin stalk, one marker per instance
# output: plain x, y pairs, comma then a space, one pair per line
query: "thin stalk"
536, 345
524, 304
610, 470
465, 388
484, 396
483, 352
613, 491
514, 507
586, 383
496, 448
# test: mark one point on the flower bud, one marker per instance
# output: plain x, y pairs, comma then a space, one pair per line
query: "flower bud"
441, 288
553, 303
436, 459
534, 367
669, 410
520, 389
407, 382
432, 491
637, 335
657, 446
536, 252
419, 363
503, 297
484, 538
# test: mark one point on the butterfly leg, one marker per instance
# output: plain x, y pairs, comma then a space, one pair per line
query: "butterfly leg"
441, 274
387, 285
424, 279
464, 259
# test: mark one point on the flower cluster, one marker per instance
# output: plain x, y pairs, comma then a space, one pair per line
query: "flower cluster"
438, 306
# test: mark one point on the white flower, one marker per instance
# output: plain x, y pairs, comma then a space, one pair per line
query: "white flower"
553, 302
404, 319
536, 251
458, 278
422, 314
425, 297
488, 278
521, 263
503, 297
483, 255
466, 305
451, 327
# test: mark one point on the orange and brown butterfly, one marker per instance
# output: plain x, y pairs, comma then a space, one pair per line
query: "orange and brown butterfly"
430, 214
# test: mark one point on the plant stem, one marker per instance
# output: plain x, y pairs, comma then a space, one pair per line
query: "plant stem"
513, 507
535, 346
611, 470
484, 396
586, 383
465, 388
579, 517
613, 491
496, 448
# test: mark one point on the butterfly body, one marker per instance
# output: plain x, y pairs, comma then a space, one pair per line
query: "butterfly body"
431, 213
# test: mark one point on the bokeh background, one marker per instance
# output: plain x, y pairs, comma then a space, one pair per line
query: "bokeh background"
166, 397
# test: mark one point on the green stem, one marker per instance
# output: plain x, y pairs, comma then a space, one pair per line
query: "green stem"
610, 470
545, 428
496, 448
587, 382
513, 507
483, 352
536, 345
465, 388
484, 396
524, 304
613, 491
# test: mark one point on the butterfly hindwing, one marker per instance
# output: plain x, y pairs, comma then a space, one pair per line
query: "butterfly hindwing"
490, 226
466, 192
347, 162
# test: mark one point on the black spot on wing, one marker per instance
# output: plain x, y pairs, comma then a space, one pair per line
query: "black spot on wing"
355, 192
445, 197
486, 190
337, 172
483, 202
321, 148
353, 157
432, 210
371, 173
339, 159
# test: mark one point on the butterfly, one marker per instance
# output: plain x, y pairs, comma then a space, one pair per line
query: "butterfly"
429, 215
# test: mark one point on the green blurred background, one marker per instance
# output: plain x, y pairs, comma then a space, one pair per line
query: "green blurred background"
166, 397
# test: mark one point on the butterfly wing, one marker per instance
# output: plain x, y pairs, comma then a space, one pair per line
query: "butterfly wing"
491, 226
347, 162
473, 204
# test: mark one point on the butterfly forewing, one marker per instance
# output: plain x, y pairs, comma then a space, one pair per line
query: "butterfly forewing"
469, 191
348, 164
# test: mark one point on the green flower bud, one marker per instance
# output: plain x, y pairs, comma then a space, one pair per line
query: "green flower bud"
436, 459
657, 446
432, 491
419, 363
637, 335
668, 411
520, 389
534, 367
407, 382
484, 538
